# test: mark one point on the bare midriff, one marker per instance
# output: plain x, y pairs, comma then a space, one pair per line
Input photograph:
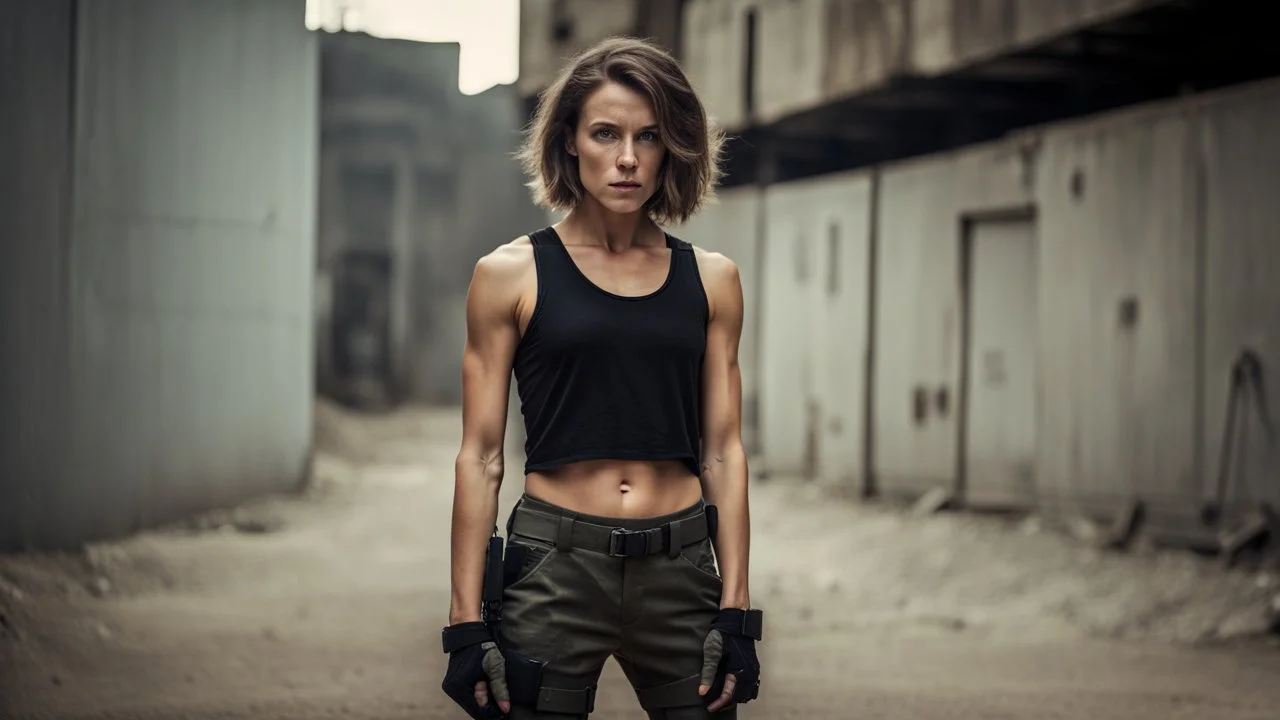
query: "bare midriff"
617, 488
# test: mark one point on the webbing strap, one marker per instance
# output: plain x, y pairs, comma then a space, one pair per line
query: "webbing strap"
566, 532
567, 702
531, 686
459, 636
681, 693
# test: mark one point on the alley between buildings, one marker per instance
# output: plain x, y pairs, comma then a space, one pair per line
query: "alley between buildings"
329, 604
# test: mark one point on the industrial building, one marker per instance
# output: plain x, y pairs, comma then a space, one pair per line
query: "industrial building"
417, 181
210, 213
1015, 252
157, 255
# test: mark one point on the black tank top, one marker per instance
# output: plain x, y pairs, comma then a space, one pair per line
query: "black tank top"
604, 376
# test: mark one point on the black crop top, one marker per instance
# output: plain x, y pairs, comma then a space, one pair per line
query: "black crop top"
608, 376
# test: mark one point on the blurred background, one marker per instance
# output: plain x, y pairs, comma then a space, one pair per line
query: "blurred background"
1015, 259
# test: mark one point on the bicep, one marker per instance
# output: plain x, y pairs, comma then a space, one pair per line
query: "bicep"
722, 378
486, 362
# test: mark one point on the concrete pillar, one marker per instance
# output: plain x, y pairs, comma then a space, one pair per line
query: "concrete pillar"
156, 297
404, 303
332, 233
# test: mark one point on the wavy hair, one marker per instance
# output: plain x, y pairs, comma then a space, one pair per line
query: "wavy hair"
691, 167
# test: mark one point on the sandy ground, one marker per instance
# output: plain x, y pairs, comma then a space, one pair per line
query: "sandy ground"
330, 605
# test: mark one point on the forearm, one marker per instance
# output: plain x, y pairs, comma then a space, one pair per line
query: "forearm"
478, 477
724, 480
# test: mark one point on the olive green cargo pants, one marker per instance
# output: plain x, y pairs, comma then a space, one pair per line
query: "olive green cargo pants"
581, 588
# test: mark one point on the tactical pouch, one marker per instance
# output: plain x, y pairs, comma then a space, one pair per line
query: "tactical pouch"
531, 686
491, 591
524, 678
513, 562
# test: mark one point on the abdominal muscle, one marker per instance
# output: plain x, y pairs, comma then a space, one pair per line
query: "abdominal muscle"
617, 488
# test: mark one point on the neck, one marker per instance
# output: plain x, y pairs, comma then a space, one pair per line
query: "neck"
592, 224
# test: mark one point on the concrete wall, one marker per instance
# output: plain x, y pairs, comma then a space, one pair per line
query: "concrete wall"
715, 56
181, 317
1241, 263
814, 327
809, 52
946, 34
392, 128
35, 213
452, 192
544, 50
731, 226
918, 303
1175, 211
543, 54
1118, 220
492, 206
1154, 261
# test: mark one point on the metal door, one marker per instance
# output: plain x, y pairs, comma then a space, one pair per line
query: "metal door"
999, 429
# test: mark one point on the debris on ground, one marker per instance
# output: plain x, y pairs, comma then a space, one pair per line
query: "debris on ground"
285, 604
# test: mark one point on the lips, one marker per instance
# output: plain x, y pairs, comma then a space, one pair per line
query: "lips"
625, 184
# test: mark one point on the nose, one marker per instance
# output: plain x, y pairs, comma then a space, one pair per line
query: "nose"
627, 158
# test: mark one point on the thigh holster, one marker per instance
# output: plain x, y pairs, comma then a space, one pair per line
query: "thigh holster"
533, 687
678, 694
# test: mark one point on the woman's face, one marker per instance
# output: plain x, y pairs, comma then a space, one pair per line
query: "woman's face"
618, 149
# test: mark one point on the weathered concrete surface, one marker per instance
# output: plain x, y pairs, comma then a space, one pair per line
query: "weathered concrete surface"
330, 605
552, 31
811, 52
157, 285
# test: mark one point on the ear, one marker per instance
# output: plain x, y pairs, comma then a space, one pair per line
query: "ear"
570, 142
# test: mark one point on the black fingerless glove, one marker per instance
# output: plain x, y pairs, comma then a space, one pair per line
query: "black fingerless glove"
473, 657
739, 631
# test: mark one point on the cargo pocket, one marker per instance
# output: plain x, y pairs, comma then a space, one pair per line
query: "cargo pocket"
701, 557
526, 557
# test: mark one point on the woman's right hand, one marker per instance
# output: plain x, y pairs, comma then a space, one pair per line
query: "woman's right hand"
476, 678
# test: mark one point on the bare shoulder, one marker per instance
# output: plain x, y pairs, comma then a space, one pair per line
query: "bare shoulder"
507, 262
719, 272
722, 282
500, 279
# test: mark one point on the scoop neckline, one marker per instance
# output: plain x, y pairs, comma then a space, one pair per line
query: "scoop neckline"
671, 270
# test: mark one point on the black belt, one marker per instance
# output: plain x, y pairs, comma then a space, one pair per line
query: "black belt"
566, 532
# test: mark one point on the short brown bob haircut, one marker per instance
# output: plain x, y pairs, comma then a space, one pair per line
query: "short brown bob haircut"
691, 166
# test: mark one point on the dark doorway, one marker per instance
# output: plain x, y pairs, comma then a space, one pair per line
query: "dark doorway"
362, 326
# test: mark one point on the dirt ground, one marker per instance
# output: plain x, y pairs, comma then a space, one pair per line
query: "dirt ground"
329, 604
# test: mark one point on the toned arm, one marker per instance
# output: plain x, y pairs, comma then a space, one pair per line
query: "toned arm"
491, 339
724, 458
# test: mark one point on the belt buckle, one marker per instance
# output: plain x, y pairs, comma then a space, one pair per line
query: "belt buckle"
618, 542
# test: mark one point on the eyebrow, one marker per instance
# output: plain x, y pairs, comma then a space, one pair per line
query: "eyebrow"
612, 125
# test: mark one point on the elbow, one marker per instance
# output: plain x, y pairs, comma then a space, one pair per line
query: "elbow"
725, 462
725, 447
480, 465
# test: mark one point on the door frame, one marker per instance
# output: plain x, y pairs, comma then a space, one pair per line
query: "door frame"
968, 220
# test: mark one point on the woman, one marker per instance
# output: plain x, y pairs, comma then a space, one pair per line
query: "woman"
624, 344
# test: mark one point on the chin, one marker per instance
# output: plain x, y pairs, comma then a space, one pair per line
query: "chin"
623, 206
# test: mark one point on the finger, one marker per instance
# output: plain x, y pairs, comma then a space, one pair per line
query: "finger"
496, 668
712, 651
726, 695
482, 694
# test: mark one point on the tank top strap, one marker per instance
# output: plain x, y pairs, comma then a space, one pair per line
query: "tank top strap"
543, 237
684, 258
685, 269
676, 243
551, 258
